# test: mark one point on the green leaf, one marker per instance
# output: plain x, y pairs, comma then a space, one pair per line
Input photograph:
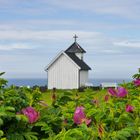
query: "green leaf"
30, 135
40, 124
1, 122
1, 133
9, 108
21, 118
3, 139
1, 73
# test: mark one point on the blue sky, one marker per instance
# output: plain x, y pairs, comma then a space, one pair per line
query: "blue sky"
32, 32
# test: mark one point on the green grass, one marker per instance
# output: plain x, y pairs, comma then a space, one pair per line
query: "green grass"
94, 94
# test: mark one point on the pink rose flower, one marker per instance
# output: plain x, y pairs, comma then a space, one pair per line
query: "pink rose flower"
129, 108
80, 117
31, 114
136, 82
120, 92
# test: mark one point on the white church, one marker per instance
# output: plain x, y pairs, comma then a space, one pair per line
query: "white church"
68, 69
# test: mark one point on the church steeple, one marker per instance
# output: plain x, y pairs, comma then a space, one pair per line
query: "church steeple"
76, 49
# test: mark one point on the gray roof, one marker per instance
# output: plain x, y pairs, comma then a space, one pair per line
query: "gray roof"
78, 61
75, 48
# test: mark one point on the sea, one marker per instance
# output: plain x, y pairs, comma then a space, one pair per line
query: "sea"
43, 82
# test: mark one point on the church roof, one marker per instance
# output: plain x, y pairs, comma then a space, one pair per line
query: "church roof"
70, 53
78, 61
75, 48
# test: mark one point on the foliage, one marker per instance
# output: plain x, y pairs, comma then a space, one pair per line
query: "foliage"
3, 82
137, 75
111, 117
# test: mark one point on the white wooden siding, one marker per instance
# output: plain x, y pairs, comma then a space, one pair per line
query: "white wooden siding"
63, 74
83, 77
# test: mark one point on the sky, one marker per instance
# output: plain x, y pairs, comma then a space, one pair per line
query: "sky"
33, 32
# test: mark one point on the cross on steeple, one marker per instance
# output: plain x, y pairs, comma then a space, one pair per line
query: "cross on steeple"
75, 37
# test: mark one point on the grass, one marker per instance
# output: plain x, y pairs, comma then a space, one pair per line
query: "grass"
94, 94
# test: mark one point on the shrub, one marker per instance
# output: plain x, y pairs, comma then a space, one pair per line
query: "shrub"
90, 115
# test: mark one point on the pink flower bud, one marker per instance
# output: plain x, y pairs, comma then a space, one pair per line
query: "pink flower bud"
106, 98
129, 108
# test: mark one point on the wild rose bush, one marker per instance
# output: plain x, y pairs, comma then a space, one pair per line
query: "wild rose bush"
90, 115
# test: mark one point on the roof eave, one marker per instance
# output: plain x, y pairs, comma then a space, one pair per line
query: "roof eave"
53, 60
62, 52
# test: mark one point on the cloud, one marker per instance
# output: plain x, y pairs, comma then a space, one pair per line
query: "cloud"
66, 24
70, 24
111, 51
47, 22
122, 8
25, 7
9, 47
125, 8
37, 24
93, 42
129, 44
44, 35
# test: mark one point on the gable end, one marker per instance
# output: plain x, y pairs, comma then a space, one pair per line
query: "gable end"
57, 58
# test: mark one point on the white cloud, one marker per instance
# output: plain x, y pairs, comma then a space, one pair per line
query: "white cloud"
61, 24
121, 8
129, 44
43, 35
125, 8
111, 51
91, 40
94, 42
9, 47
47, 22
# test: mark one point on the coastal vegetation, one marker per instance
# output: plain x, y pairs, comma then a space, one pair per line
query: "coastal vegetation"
88, 114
